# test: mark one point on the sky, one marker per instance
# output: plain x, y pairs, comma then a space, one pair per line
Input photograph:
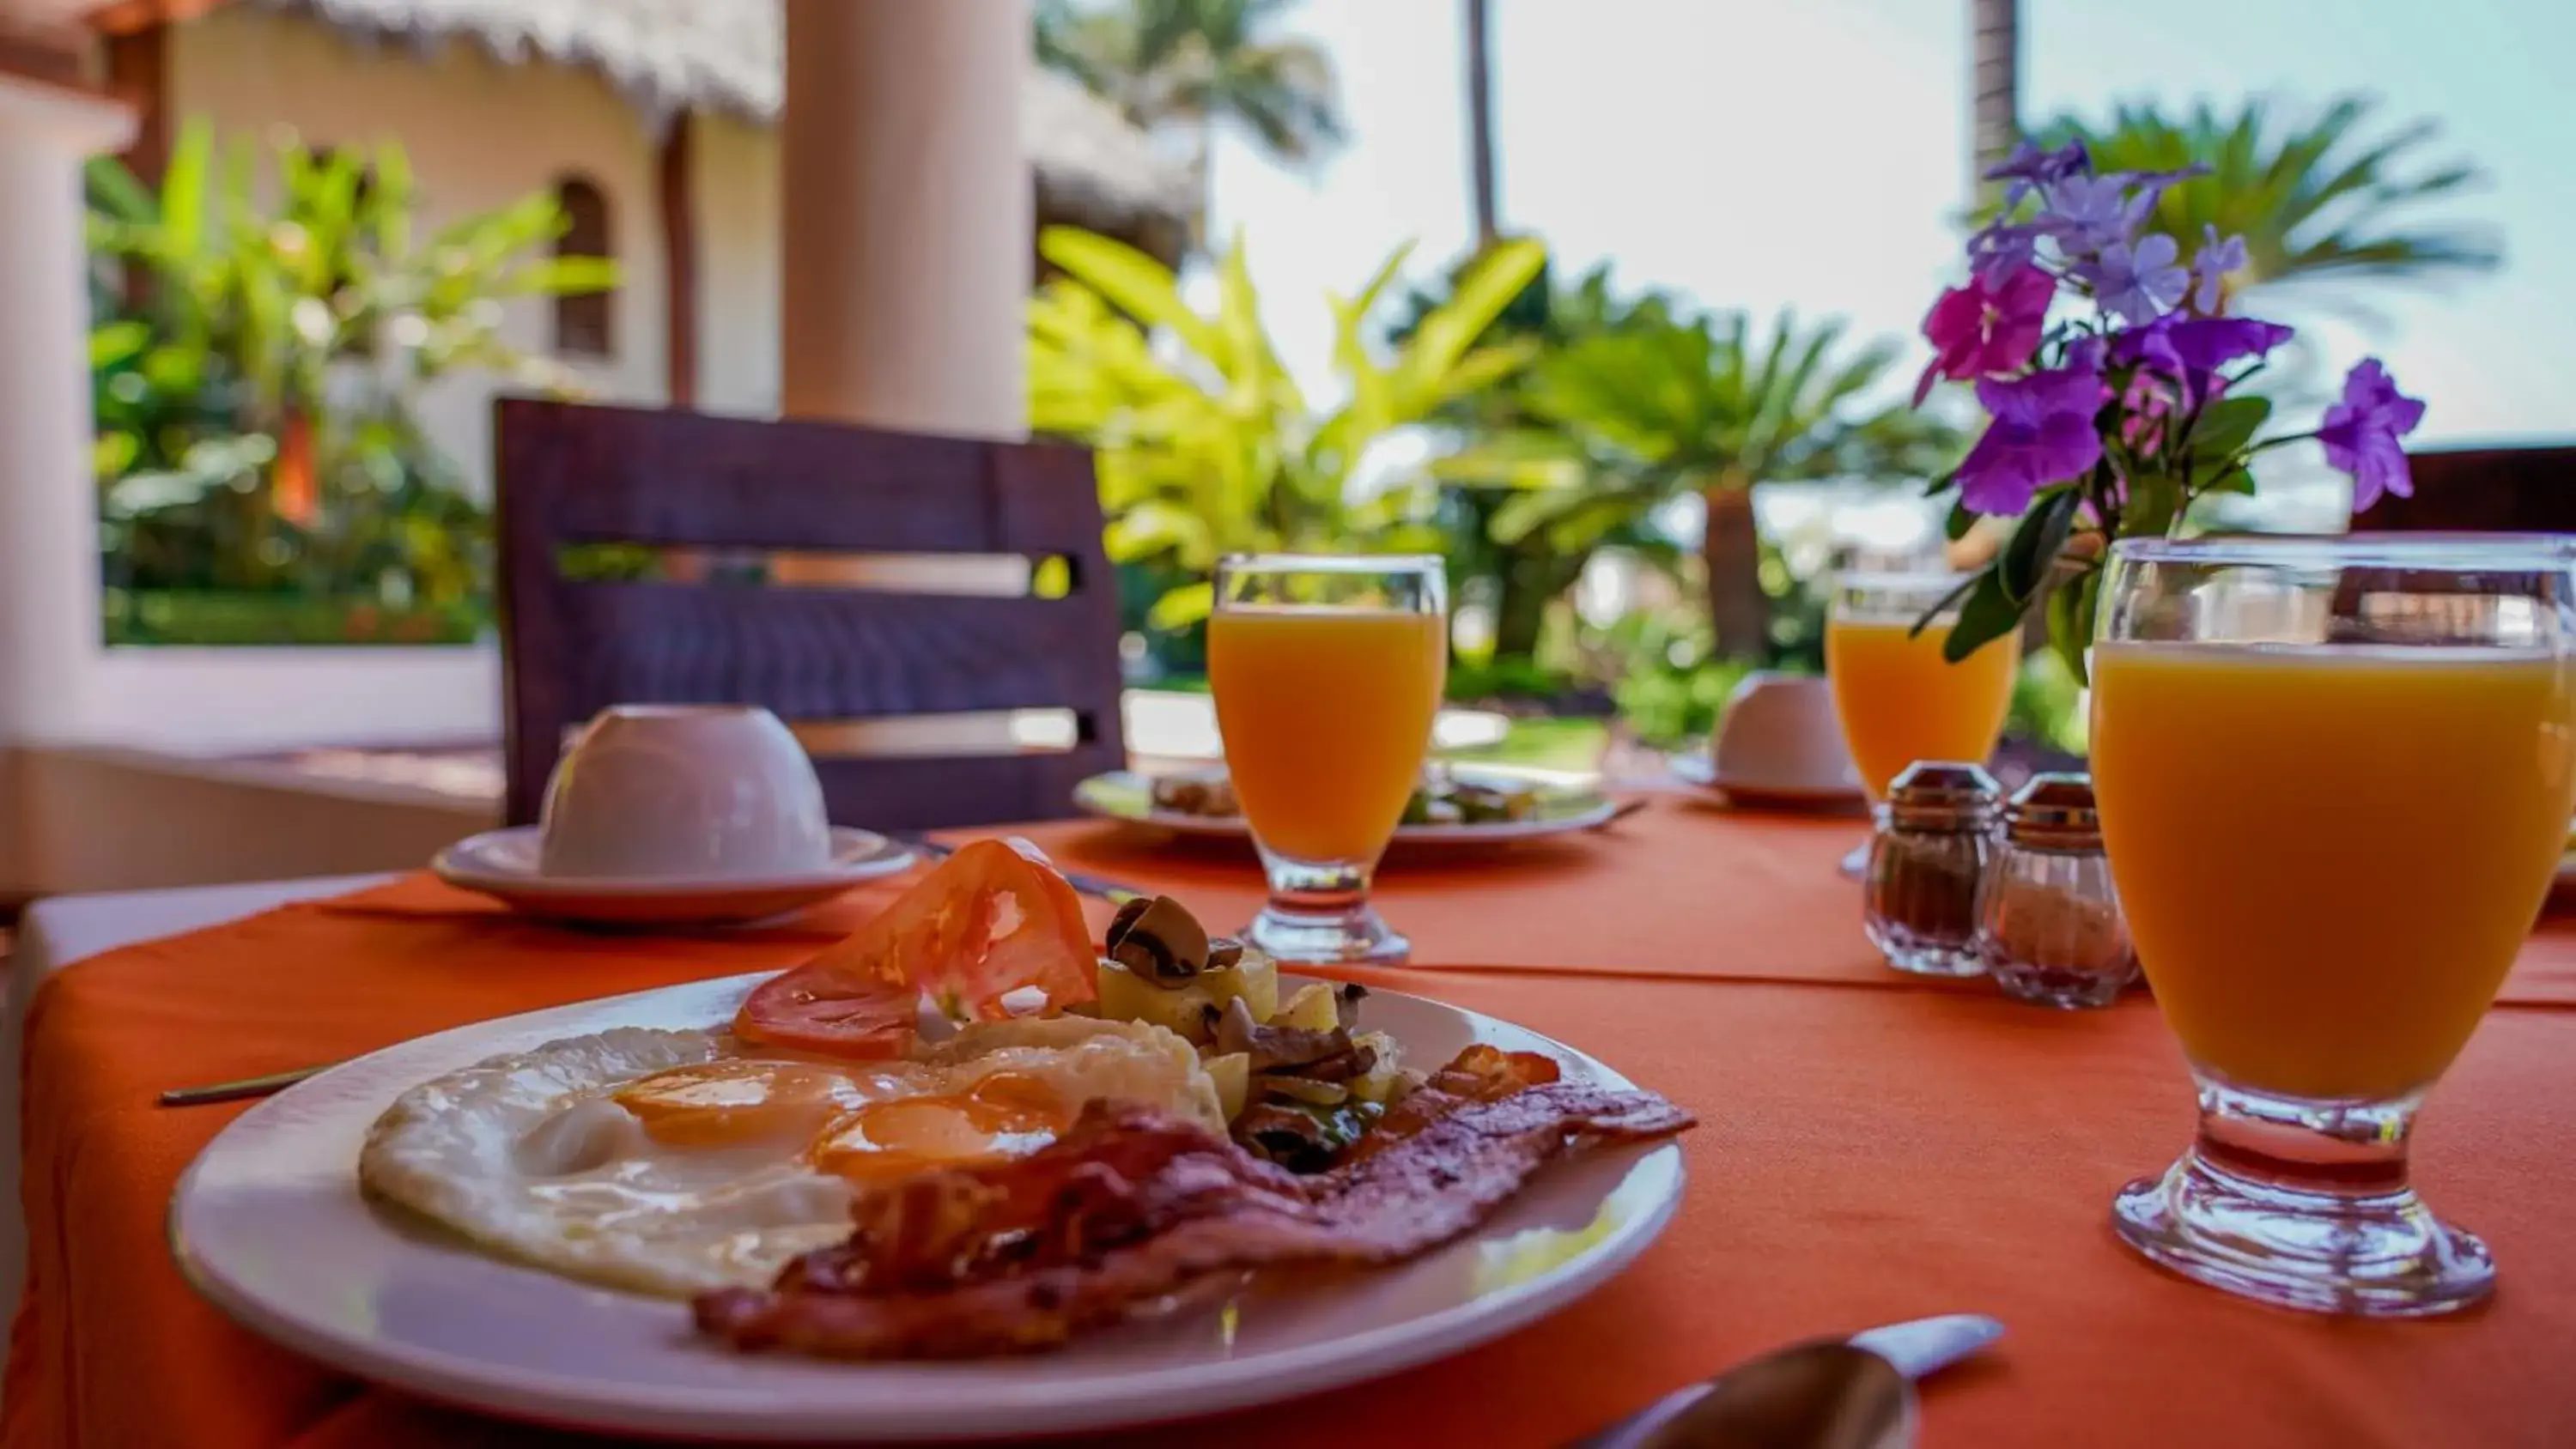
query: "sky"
1810, 154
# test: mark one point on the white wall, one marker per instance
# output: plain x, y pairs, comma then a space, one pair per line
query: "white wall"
736, 178
479, 135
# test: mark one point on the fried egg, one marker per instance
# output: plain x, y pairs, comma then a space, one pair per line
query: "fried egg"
677, 1162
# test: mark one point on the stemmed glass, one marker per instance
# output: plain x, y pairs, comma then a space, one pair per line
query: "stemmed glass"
1898, 699
2335, 779
1327, 672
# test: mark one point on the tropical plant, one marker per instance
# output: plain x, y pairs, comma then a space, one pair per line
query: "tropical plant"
1994, 70
1522, 577
1187, 66
1206, 445
256, 364
1480, 120
1674, 404
2330, 197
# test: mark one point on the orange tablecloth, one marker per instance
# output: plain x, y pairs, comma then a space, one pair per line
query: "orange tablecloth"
1867, 1155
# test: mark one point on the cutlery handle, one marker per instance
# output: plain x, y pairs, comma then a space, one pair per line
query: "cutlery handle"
1929, 1345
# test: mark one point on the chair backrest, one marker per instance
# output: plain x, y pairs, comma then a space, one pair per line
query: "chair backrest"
2482, 490
840, 647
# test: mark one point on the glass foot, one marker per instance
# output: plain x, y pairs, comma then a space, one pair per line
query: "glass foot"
1356, 934
2322, 1230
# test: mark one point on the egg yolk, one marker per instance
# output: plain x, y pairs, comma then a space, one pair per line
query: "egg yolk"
1006, 1114
718, 1104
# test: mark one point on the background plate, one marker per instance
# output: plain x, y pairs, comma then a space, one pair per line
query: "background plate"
269, 1225
1126, 795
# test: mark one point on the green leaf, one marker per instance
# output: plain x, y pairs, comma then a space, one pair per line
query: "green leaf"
2225, 427
1132, 282
2155, 501
114, 342
2234, 480
1989, 614
2070, 619
1179, 608
1943, 605
1959, 523
2024, 564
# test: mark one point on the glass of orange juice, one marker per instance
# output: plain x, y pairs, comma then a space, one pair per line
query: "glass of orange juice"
1327, 672
2335, 779
1897, 698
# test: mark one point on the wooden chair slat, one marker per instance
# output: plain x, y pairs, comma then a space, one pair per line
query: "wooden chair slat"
570, 473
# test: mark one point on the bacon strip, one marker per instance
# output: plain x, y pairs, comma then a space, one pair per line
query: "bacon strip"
1132, 1205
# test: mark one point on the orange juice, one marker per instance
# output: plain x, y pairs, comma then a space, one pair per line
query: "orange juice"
1326, 715
2329, 856
1900, 701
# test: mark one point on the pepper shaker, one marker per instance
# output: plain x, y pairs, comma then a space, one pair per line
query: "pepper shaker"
2049, 924
1926, 858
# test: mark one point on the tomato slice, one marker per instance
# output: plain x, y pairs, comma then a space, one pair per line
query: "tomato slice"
990, 919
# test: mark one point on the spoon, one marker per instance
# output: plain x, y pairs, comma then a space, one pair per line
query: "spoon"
1829, 1394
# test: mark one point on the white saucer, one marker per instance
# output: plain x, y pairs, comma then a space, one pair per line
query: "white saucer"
1784, 794
503, 864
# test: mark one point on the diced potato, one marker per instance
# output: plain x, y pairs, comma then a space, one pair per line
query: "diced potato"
1255, 978
1378, 1083
1311, 1009
1125, 996
1232, 1074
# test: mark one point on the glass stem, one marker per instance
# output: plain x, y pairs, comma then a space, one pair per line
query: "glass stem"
2351, 1149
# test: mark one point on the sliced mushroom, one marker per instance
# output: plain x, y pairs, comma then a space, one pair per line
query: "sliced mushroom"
1273, 1047
1159, 940
1346, 1005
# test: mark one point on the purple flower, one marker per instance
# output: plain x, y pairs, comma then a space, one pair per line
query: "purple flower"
2029, 168
2361, 433
2000, 251
2086, 213
2210, 266
1977, 330
2042, 433
2148, 188
2175, 344
2136, 283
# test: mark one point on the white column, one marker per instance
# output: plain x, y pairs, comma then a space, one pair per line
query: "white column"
49, 580
906, 217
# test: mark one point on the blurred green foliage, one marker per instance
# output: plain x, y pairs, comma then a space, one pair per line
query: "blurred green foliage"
266, 319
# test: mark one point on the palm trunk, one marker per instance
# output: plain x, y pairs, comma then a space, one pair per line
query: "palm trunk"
1994, 85
1480, 122
1731, 549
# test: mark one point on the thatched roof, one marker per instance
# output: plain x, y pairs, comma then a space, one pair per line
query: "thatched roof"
671, 56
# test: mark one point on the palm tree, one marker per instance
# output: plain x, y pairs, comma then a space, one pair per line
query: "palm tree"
1667, 405
1994, 85
1189, 65
1480, 120
2317, 200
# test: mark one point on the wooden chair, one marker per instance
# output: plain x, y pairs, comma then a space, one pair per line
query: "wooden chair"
2482, 490
838, 649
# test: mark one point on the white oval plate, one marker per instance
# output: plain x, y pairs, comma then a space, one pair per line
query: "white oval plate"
268, 1224
504, 864
1697, 770
1128, 796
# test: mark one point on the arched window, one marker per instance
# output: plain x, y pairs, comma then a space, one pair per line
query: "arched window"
582, 322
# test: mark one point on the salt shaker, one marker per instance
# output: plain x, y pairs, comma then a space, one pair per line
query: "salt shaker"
2049, 925
1919, 894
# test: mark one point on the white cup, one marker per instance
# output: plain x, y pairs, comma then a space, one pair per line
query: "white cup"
684, 792
1779, 732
